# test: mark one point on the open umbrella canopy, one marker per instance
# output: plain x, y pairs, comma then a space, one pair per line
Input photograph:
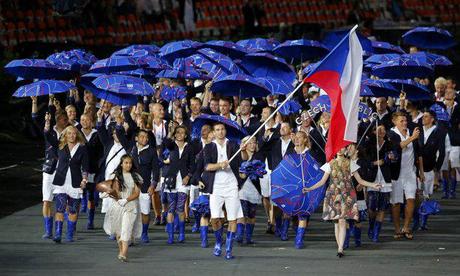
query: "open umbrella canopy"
234, 131
380, 58
114, 64
382, 47
258, 44
152, 63
144, 73
169, 93
239, 85
121, 84
402, 68
441, 113
43, 87
429, 38
301, 50
228, 48
183, 69
138, 50
310, 67
75, 60
295, 172
179, 49
37, 69
114, 98
323, 103
334, 37
432, 59
414, 90
264, 65
216, 65
276, 86
378, 88
290, 107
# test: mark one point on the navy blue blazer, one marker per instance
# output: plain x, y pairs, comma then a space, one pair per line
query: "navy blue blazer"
434, 150
78, 164
185, 164
95, 150
273, 149
318, 145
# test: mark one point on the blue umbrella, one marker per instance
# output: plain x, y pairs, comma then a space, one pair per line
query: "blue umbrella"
124, 85
114, 64
429, 38
234, 131
294, 173
153, 63
441, 113
216, 65
239, 85
114, 98
290, 107
310, 67
221, 60
37, 69
431, 59
138, 50
173, 93
89, 77
402, 68
144, 73
228, 48
183, 69
43, 87
334, 37
276, 86
380, 58
301, 50
75, 60
179, 49
264, 65
378, 88
258, 44
382, 47
201, 205
322, 102
414, 90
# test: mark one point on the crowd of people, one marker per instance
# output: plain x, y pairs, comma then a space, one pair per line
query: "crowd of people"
131, 160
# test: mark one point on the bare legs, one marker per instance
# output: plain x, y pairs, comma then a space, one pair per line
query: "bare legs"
340, 229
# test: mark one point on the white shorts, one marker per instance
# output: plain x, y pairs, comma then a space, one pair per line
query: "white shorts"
454, 157
232, 206
265, 185
47, 187
445, 162
406, 186
427, 186
144, 203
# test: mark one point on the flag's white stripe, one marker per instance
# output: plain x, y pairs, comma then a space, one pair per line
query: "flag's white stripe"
350, 83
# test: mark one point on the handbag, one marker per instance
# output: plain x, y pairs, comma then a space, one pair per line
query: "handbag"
170, 182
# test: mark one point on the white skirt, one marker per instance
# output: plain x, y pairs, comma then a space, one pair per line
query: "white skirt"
124, 221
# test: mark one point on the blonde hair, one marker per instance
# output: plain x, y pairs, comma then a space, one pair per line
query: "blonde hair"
440, 81
63, 140
307, 137
245, 139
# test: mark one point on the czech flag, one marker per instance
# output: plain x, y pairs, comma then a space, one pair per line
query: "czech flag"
339, 74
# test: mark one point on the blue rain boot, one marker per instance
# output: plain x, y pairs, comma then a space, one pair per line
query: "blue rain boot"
278, 226
204, 236
48, 223
163, 219
377, 228
196, 224
249, 230
176, 224
299, 238
424, 221
70, 230
218, 246
357, 236
84, 203
370, 230
170, 230
445, 189
145, 233
416, 220
284, 230
239, 232
229, 245
90, 224
181, 237
58, 231
453, 188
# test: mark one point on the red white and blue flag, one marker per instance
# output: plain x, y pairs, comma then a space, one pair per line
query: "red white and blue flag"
339, 74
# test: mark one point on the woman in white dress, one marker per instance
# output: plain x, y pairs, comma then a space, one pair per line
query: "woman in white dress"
123, 218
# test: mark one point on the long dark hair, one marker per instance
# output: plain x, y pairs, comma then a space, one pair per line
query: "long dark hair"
119, 173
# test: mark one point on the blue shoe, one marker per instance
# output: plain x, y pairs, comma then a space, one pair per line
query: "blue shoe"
70, 230
204, 236
170, 230
249, 230
145, 233
299, 237
278, 226
48, 224
370, 230
181, 237
377, 228
84, 203
218, 246
239, 232
90, 224
229, 245
424, 221
284, 230
58, 231
357, 236
445, 189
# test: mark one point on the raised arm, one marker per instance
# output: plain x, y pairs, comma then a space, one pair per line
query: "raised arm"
317, 185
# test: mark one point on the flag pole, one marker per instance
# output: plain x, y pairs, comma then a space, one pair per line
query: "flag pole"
268, 119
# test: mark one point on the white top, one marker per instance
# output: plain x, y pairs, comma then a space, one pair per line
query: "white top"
139, 149
113, 164
67, 187
159, 131
407, 156
427, 133
353, 167
88, 137
419, 115
232, 117
249, 192
284, 146
382, 115
225, 181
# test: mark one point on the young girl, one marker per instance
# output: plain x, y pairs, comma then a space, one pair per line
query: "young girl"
123, 218
340, 200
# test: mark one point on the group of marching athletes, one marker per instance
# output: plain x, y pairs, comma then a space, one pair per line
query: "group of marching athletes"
148, 158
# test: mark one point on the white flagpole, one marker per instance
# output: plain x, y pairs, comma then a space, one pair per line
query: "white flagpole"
268, 119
